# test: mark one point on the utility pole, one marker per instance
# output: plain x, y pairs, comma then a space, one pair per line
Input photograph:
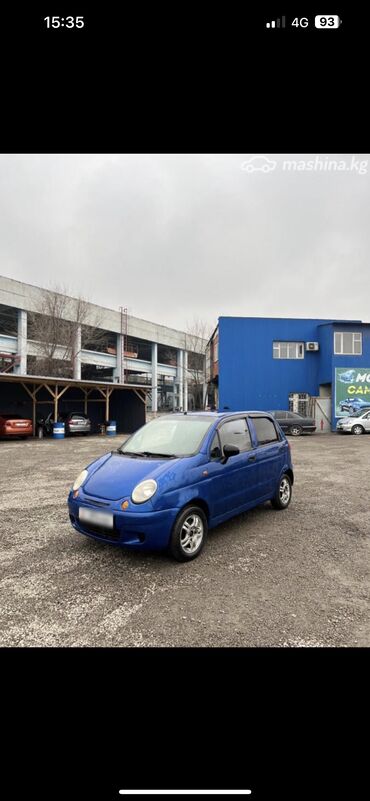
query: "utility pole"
124, 333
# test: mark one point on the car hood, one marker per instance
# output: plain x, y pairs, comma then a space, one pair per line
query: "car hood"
116, 476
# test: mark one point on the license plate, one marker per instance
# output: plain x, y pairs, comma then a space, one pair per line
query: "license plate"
21, 425
104, 519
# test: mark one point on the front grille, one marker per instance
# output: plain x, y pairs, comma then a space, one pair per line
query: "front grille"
107, 533
96, 503
89, 528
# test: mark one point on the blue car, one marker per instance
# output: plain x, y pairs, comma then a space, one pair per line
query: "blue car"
347, 377
353, 404
180, 475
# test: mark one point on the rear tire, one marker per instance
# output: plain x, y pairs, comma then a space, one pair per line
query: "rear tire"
283, 496
188, 534
295, 431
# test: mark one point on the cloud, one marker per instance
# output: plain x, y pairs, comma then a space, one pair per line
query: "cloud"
173, 236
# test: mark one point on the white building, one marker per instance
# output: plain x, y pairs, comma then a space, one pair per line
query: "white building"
130, 351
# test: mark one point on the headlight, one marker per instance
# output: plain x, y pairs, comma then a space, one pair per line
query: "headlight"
80, 480
144, 491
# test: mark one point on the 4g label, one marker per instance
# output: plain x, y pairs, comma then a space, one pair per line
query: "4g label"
300, 22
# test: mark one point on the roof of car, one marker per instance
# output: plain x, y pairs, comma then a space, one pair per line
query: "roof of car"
217, 414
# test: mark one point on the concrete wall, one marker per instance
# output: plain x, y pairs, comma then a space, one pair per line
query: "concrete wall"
26, 296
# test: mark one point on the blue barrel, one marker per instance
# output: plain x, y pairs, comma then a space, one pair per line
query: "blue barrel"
58, 430
111, 428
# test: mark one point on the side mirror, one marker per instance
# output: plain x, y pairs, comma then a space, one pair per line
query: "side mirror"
229, 450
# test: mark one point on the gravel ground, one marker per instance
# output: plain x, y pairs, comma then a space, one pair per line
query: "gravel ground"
294, 578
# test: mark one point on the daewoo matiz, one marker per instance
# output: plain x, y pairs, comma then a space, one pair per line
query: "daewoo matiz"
180, 475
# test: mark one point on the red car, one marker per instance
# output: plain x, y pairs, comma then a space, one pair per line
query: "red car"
13, 425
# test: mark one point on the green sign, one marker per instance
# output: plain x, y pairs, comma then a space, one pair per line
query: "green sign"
352, 389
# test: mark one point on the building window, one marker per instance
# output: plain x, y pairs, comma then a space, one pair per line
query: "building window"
288, 350
347, 343
215, 352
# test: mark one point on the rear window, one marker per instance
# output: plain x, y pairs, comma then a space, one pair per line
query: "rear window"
265, 429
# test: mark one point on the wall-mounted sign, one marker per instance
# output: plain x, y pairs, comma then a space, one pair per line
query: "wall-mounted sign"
352, 390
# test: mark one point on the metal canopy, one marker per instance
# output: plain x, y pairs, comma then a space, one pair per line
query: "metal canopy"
58, 386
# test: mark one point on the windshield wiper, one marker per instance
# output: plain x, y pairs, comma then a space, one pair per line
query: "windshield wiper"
128, 453
150, 453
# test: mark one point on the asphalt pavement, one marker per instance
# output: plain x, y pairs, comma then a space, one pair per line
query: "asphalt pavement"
266, 578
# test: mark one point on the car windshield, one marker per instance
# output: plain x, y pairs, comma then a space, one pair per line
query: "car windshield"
359, 413
169, 436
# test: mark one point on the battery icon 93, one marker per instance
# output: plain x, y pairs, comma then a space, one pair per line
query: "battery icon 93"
325, 21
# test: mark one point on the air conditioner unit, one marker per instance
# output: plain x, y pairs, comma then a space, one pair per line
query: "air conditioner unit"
312, 345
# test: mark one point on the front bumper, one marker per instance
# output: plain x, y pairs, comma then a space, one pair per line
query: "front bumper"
138, 530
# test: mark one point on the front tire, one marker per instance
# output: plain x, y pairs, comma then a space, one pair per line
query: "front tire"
283, 494
357, 430
188, 534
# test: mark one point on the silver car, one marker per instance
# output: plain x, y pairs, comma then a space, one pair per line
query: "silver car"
357, 423
76, 423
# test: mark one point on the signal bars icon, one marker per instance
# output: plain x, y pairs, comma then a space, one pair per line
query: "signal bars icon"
276, 23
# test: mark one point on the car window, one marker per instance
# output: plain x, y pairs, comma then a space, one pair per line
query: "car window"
236, 432
177, 435
265, 429
281, 415
215, 450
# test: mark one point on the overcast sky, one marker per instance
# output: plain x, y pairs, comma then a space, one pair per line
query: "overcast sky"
177, 236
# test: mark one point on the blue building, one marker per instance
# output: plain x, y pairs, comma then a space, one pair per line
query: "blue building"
280, 363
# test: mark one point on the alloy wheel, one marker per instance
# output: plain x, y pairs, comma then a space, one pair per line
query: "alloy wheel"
192, 532
284, 491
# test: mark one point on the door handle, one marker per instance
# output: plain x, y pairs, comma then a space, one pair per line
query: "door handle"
252, 459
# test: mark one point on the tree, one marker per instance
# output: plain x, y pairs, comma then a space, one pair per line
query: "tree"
198, 332
60, 327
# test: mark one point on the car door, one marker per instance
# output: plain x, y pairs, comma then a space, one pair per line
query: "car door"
365, 420
234, 483
270, 454
281, 417
292, 419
